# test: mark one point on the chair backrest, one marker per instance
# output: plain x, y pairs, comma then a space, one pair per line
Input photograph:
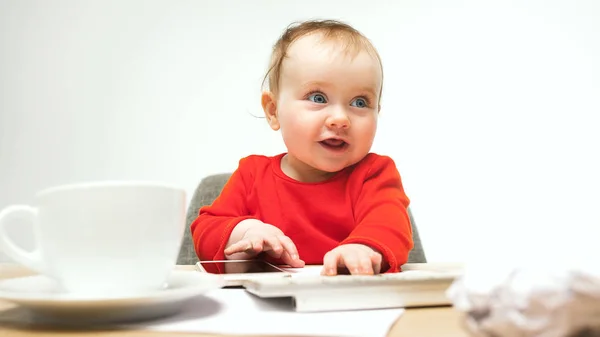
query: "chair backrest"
210, 188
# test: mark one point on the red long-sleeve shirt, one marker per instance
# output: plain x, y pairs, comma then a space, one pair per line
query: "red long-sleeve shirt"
364, 203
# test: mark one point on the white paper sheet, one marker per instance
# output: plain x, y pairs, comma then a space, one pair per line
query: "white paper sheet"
236, 312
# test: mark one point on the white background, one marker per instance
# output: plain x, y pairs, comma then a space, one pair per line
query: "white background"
490, 108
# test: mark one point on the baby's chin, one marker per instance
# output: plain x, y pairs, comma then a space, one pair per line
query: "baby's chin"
333, 167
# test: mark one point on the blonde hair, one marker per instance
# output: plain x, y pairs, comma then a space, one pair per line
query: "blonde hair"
332, 30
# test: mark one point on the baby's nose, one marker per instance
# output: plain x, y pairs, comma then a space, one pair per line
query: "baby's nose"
339, 120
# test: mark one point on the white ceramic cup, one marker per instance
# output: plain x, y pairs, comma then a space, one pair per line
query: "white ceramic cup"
102, 239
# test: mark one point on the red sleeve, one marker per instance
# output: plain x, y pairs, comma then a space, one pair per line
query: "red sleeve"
382, 216
214, 224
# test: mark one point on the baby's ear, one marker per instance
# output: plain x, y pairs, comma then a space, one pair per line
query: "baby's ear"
269, 104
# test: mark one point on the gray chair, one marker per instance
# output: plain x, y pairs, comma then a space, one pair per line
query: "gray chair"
210, 188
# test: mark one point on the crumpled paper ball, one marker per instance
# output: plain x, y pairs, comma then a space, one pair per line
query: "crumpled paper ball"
541, 301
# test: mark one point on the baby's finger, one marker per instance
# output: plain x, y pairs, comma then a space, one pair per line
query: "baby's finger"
352, 262
365, 265
376, 261
238, 247
256, 245
289, 247
357, 263
294, 263
330, 263
273, 247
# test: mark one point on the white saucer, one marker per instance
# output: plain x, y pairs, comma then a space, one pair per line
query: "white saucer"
43, 297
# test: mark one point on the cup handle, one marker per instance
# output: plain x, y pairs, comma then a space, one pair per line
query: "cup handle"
32, 260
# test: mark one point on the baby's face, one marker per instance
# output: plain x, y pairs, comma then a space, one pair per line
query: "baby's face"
328, 104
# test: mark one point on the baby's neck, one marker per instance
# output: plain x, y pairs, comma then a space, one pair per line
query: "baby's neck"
302, 172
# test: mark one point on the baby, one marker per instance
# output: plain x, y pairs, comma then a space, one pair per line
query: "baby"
327, 200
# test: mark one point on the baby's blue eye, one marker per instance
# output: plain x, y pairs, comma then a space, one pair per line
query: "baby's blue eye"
317, 98
359, 103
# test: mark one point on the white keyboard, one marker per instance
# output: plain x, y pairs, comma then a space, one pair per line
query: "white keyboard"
405, 275
381, 279
350, 292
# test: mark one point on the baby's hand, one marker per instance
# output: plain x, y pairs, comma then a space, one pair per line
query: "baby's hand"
261, 237
358, 259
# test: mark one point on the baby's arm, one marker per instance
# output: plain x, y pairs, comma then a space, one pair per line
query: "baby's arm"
382, 217
227, 230
212, 228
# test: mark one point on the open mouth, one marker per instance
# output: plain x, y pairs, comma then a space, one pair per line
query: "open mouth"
334, 144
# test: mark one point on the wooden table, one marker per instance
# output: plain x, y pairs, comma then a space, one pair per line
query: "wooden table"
422, 322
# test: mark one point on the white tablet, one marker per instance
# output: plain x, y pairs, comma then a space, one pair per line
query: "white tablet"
237, 272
